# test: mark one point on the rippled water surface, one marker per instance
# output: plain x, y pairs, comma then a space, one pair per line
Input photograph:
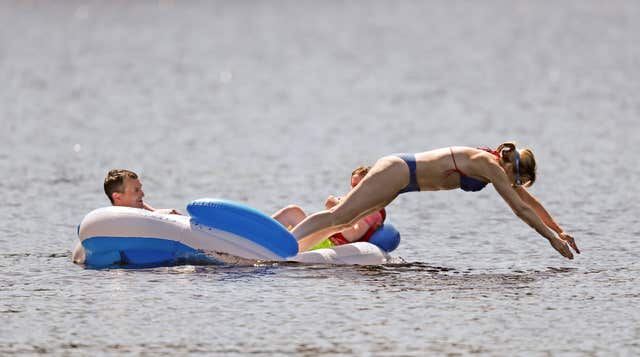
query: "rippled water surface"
272, 103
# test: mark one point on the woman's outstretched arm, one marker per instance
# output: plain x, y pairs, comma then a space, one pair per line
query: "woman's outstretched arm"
504, 187
546, 217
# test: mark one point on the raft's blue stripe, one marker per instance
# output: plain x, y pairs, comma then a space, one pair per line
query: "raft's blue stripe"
245, 222
103, 252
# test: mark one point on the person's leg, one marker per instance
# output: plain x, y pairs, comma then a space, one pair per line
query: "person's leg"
386, 178
290, 216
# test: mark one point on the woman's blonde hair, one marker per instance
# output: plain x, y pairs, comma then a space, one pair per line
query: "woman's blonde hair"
528, 166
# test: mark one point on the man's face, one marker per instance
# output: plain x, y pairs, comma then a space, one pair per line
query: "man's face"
355, 180
131, 196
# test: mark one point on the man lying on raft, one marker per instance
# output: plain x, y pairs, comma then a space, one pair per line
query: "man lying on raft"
123, 187
362, 230
470, 169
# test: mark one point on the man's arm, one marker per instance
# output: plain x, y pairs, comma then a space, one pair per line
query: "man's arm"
161, 210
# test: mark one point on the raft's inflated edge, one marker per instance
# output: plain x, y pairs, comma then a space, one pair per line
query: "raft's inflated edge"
246, 222
137, 251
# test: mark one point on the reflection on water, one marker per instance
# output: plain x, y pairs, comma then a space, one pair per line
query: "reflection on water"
225, 304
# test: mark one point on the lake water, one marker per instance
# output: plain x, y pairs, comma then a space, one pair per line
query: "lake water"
272, 103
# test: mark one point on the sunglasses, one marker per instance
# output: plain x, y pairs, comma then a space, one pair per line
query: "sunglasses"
517, 157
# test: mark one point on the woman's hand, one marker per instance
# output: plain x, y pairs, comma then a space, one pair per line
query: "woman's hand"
562, 247
331, 202
569, 239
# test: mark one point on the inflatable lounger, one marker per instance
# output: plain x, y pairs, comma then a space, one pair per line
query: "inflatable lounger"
217, 232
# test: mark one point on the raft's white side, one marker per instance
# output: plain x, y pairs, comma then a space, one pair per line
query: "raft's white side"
359, 253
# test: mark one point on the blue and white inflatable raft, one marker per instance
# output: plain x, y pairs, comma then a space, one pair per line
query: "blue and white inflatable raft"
216, 232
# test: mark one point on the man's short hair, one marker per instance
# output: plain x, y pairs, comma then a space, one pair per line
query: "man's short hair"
114, 182
361, 171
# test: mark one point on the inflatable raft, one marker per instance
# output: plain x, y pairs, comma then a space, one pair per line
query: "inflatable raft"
216, 232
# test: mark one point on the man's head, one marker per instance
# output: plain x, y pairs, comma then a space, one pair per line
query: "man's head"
358, 174
123, 188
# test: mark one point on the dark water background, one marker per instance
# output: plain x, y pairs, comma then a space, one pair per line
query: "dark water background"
271, 103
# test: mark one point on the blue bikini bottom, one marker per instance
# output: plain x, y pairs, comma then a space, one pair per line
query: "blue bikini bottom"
410, 159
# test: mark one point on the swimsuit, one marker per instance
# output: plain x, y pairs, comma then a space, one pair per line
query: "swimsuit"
374, 220
410, 160
468, 183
